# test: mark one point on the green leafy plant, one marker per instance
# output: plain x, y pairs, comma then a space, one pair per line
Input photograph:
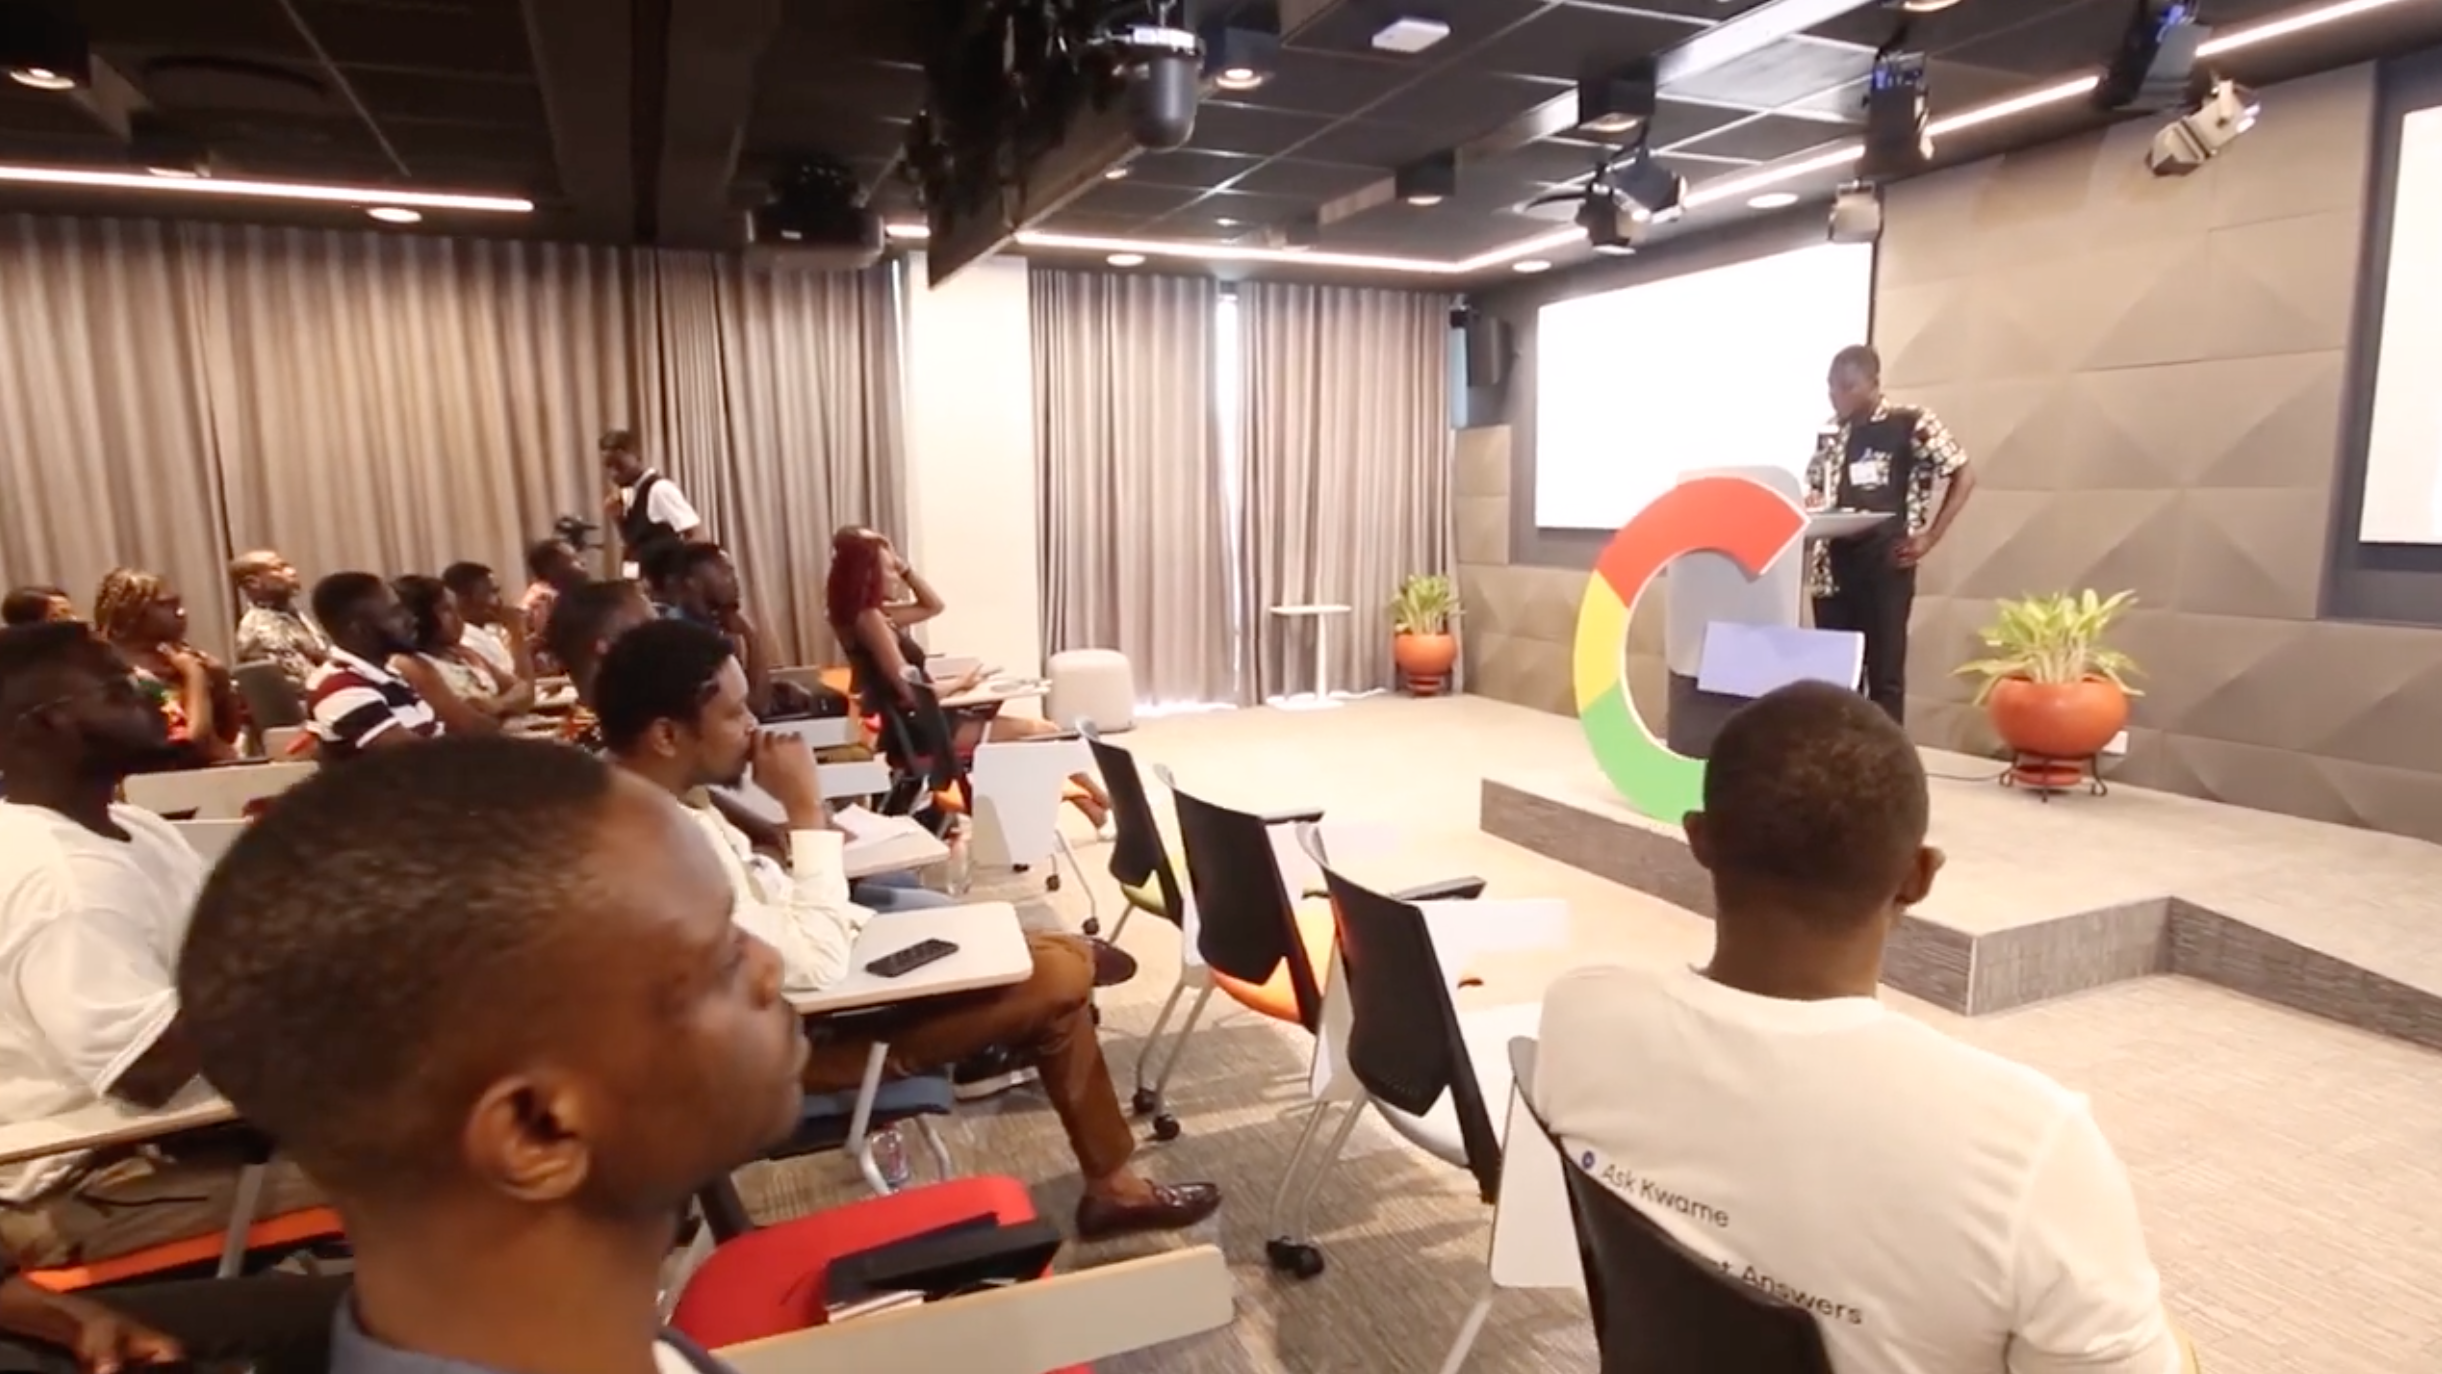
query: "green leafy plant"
1424, 606
2055, 638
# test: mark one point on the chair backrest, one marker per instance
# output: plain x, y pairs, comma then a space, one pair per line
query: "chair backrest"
1137, 851
1245, 926
1672, 1309
210, 839
1404, 1042
273, 700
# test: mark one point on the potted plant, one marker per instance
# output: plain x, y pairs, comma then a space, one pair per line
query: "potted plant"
2055, 693
1421, 642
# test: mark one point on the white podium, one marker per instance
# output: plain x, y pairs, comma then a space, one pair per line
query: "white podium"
1704, 588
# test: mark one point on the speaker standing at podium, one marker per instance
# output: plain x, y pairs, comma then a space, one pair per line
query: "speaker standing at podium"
1898, 460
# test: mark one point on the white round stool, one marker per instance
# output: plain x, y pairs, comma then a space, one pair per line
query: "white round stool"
1097, 686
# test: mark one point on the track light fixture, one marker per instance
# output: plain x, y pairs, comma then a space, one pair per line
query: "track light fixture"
1610, 228
1896, 113
1856, 213
2156, 59
2194, 139
1653, 191
1615, 105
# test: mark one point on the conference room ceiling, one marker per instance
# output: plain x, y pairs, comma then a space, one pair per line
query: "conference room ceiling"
655, 120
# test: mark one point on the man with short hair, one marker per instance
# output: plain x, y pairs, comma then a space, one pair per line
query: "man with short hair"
1899, 461
36, 605
512, 1076
673, 705
1937, 1207
698, 582
589, 619
273, 630
643, 508
354, 703
94, 897
494, 633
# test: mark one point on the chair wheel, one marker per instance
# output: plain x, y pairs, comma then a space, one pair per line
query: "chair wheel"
1295, 1260
1052, 883
1146, 1102
1092, 927
1165, 1127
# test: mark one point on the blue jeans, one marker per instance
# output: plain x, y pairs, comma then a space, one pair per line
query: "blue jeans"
891, 892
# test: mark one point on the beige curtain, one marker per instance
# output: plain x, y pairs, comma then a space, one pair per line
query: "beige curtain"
173, 394
105, 428
1347, 459
1134, 551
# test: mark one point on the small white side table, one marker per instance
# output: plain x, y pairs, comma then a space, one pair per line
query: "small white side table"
1320, 615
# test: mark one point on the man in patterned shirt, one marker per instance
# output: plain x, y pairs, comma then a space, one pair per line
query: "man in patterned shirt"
1902, 462
273, 629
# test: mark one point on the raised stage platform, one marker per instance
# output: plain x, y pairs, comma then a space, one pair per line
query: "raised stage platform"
2041, 899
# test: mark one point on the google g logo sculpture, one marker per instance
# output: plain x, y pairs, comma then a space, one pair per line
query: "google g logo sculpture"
1750, 523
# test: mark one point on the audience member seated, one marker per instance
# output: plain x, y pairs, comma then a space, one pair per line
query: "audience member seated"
492, 632
94, 898
354, 702
553, 567
643, 508
699, 583
139, 615
589, 618
273, 630
34, 605
512, 1131
872, 625
1939, 1208
275, 1324
673, 704
452, 679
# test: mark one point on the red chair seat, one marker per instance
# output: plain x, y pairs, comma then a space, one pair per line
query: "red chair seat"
288, 1230
772, 1280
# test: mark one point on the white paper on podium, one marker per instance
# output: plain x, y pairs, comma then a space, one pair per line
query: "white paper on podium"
1752, 660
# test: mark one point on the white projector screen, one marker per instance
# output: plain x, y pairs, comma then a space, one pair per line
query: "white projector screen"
2403, 502
1721, 368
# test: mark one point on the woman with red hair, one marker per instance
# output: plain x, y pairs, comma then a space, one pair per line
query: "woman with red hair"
886, 662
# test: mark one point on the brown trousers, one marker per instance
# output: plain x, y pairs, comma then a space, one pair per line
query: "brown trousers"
1047, 1020
125, 1201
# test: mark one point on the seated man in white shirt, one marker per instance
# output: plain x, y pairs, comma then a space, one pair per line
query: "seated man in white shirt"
94, 898
672, 703
1940, 1209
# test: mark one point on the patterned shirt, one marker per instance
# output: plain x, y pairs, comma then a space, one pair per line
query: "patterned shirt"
269, 634
1937, 456
352, 702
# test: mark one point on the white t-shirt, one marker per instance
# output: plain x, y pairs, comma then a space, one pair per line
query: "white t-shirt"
491, 644
802, 910
1940, 1209
89, 936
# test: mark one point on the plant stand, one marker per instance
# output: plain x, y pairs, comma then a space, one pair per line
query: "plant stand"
1417, 685
2048, 777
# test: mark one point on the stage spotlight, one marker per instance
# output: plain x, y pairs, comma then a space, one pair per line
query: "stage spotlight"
1428, 181
42, 46
1610, 229
1656, 191
1240, 59
1614, 105
1856, 213
2197, 138
1896, 142
2156, 60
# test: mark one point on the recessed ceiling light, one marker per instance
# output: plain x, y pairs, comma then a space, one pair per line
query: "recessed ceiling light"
1126, 259
1238, 78
1424, 198
1772, 200
1115, 174
395, 214
1225, 221
42, 78
1530, 265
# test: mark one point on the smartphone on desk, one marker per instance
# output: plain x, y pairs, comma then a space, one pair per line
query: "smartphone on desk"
900, 963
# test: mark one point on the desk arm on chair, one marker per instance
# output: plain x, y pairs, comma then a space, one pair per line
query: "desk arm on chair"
1445, 890
1305, 816
1052, 1323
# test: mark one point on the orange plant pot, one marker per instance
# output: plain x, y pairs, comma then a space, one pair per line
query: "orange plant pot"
1424, 660
2057, 720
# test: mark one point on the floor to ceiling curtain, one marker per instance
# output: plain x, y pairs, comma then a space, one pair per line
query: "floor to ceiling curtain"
1133, 526
171, 395
1346, 425
105, 425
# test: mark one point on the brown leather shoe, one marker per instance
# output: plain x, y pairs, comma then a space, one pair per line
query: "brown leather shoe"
1174, 1207
1112, 965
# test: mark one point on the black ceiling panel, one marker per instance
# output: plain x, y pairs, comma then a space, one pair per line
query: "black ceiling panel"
1311, 181
1467, 102
1224, 127
1317, 83
1191, 167
1351, 27
1376, 145
1575, 41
